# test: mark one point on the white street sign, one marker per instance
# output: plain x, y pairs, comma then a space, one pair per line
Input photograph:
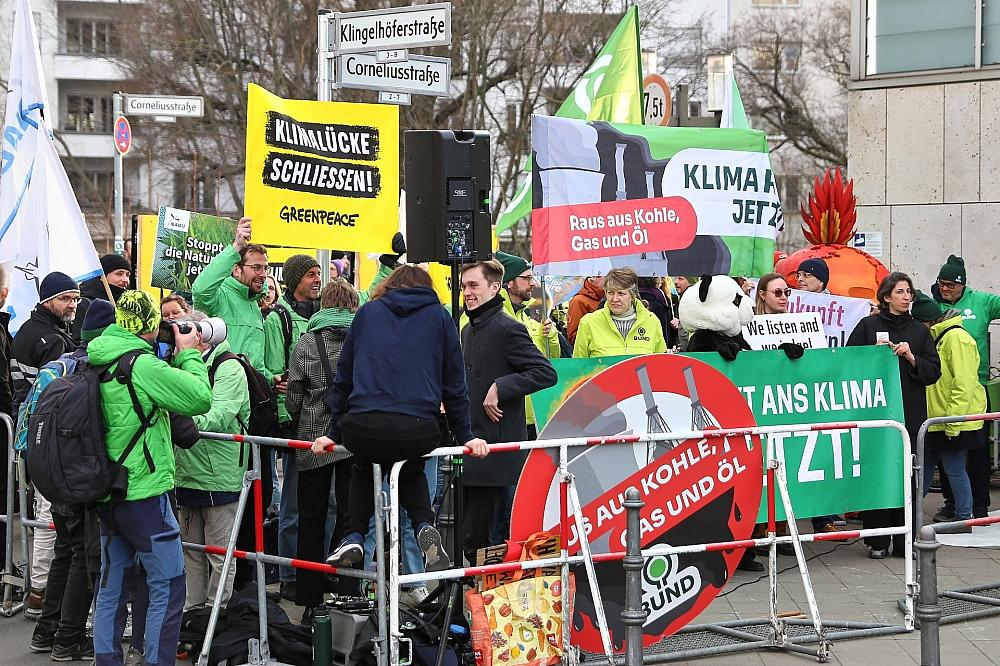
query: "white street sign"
419, 75
395, 55
395, 28
402, 99
165, 105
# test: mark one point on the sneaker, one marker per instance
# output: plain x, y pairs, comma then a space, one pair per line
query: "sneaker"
41, 643
288, 590
944, 515
347, 554
134, 657
435, 557
878, 553
413, 596
82, 650
33, 605
183, 651
980, 512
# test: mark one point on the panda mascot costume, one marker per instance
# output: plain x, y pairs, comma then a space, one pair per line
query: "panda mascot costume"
714, 313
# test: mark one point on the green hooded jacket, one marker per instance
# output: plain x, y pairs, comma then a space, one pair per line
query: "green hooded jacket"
598, 335
181, 387
958, 391
218, 294
978, 309
212, 465
274, 336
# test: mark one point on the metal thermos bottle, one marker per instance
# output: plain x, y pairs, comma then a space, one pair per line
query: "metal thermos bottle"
322, 636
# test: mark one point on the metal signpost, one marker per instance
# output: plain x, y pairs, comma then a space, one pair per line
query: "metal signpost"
165, 108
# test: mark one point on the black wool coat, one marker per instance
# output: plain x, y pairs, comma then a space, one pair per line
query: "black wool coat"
497, 348
914, 379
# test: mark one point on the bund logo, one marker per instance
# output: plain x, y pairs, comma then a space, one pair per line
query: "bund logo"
640, 334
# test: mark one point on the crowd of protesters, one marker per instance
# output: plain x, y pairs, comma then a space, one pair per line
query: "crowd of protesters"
377, 376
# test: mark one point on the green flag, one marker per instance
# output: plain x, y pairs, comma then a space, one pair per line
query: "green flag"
733, 113
610, 90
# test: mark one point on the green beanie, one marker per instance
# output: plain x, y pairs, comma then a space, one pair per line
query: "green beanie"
954, 271
512, 265
925, 308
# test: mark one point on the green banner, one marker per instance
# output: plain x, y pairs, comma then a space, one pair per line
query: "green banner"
185, 243
828, 472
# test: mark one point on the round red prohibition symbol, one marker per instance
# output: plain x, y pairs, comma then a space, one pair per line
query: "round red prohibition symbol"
697, 491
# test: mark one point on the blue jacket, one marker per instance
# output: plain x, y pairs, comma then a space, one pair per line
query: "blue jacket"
402, 355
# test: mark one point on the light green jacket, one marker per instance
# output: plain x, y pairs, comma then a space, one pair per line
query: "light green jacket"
958, 391
598, 335
214, 465
978, 309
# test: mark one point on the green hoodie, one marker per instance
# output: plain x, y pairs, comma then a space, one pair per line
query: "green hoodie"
957, 392
212, 465
598, 335
274, 336
978, 309
218, 294
180, 387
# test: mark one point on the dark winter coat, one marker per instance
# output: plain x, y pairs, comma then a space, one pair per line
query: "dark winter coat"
402, 355
43, 338
498, 349
657, 303
7, 405
914, 379
91, 290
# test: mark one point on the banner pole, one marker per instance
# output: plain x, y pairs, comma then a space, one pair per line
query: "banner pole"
545, 315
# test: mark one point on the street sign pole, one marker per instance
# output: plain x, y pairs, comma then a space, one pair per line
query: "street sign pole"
119, 184
323, 94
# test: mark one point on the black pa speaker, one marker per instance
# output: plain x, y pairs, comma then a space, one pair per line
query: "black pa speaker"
447, 176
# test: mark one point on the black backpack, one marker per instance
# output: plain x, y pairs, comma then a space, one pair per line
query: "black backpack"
67, 457
263, 400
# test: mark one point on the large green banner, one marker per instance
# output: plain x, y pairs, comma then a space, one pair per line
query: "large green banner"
829, 472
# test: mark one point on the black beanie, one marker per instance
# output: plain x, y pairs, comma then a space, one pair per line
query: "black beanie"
55, 284
954, 271
100, 315
295, 268
114, 262
925, 308
817, 268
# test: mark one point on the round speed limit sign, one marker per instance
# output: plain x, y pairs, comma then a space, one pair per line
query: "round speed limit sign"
655, 100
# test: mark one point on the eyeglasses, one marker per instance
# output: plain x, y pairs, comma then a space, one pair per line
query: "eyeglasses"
67, 299
529, 278
944, 284
256, 268
781, 292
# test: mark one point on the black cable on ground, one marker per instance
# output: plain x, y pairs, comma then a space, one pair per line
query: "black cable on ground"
788, 568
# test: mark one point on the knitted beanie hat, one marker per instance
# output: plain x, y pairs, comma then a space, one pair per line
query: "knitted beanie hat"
56, 284
925, 308
817, 268
295, 268
137, 312
512, 265
100, 315
954, 271
114, 262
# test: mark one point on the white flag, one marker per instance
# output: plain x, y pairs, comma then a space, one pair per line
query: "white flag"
42, 228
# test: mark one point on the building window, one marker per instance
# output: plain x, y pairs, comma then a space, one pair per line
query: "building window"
193, 192
919, 35
93, 189
91, 36
771, 55
88, 113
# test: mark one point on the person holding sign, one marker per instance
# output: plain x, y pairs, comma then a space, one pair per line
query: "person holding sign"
919, 367
623, 326
772, 295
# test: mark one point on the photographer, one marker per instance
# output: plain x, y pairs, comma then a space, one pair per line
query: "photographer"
143, 526
210, 473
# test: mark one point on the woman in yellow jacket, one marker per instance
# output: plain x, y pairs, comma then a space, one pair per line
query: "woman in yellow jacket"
623, 326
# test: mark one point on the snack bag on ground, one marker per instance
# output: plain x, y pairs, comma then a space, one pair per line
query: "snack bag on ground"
519, 623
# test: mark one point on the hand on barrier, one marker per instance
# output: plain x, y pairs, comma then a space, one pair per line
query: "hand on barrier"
322, 446
477, 447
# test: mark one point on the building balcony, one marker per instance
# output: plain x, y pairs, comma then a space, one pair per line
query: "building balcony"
86, 145
87, 68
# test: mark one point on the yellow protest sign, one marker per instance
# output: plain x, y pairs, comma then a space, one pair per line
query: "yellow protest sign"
322, 174
147, 247
367, 269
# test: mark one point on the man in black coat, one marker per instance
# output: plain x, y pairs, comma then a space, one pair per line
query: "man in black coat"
118, 273
46, 335
502, 366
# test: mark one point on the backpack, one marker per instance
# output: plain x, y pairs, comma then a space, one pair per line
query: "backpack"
67, 457
63, 365
263, 400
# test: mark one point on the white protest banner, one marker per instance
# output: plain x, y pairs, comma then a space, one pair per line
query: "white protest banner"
769, 331
839, 314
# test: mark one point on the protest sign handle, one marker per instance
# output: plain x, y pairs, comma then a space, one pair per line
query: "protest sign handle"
107, 288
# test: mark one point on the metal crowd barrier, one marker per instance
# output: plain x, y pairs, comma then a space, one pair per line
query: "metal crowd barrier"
387, 643
928, 610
